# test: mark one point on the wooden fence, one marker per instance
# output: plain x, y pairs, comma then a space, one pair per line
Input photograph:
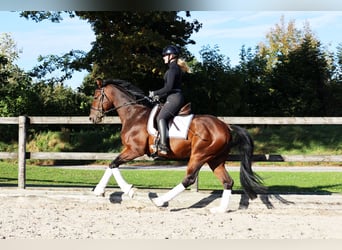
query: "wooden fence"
23, 122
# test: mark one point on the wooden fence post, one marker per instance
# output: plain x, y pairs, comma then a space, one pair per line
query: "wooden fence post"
22, 151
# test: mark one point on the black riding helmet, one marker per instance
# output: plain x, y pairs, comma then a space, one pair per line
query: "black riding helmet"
170, 49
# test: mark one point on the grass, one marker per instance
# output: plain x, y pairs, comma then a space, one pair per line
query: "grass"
277, 182
309, 139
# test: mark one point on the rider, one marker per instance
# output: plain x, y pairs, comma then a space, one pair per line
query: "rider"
171, 93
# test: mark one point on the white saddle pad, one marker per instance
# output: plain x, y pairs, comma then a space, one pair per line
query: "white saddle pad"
178, 126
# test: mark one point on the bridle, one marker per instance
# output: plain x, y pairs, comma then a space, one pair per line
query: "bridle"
104, 98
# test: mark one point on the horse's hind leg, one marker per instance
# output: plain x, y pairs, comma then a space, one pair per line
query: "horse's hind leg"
190, 178
227, 182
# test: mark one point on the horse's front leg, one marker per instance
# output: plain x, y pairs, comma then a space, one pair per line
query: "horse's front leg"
113, 169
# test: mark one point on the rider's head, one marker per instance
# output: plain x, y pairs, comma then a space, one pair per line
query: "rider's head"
170, 53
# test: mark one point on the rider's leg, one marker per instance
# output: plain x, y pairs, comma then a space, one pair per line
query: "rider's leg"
163, 131
170, 109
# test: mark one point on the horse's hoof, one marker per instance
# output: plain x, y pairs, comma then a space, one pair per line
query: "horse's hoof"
131, 192
159, 202
98, 191
128, 190
218, 210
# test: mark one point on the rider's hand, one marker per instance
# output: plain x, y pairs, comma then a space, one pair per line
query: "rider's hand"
150, 94
155, 98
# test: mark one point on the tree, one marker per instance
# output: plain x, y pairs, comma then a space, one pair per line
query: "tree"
128, 44
338, 69
66, 64
21, 96
281, 40
299, 70
255, 89
335, 100
301, 82
16, 97
8, 48
14, 83
213, 87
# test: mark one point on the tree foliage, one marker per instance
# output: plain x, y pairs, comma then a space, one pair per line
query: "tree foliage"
281, 40
215, 84
22, 96
301, 83
128, 45
255, 90
296, 78
290, 74
14, 83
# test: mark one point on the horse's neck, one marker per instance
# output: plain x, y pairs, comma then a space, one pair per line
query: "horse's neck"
132, 114
127, 112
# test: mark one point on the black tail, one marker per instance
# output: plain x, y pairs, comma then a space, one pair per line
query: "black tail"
250, 181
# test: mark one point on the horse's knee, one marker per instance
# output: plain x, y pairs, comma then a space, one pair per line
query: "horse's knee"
189, 180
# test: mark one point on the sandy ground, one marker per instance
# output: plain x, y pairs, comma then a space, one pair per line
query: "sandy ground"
78, 214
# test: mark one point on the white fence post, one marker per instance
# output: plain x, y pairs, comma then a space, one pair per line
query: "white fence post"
22, 152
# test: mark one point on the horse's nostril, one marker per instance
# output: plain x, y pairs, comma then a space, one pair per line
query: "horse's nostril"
91, 119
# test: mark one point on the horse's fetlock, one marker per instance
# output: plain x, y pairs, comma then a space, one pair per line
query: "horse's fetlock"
188, 181
113, 165
229, 185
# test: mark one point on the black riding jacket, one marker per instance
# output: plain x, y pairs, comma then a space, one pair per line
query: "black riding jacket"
172, 81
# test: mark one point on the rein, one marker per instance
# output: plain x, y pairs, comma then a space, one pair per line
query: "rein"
102, 98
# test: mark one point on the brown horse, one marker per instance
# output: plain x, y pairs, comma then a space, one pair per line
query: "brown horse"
209, 141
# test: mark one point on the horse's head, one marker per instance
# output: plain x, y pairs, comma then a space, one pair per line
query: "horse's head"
112, 95
101, 103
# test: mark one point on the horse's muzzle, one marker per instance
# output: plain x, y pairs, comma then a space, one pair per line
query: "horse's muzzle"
95, 119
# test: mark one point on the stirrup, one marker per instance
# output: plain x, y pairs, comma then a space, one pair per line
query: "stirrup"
154, 153
163, 149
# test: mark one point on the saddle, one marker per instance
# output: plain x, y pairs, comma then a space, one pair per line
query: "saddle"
185, 110
178, 126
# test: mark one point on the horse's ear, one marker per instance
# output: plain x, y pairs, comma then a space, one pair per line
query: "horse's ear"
99, 82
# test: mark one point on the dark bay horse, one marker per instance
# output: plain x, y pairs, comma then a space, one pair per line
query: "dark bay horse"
209, 141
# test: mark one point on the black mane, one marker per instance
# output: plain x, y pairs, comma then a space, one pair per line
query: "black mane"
128, 87
133, 91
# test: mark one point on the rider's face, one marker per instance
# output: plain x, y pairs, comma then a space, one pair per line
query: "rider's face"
169, 58
166, 59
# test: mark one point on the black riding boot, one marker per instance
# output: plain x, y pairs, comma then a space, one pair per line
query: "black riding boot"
163, 147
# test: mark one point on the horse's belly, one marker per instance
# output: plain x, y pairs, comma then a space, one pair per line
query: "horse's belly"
181, 148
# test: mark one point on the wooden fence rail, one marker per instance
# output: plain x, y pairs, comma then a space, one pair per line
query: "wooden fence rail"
23, 122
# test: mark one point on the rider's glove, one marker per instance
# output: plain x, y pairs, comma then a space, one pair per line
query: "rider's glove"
155, 98
150, 94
